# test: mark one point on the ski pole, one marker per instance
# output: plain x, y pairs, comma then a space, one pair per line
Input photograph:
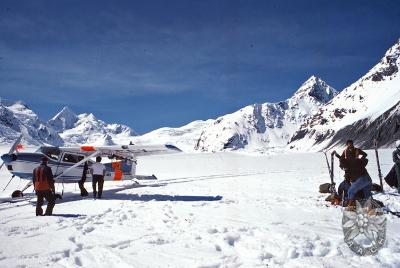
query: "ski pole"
327, 163
379, 165
332, 164
333, 188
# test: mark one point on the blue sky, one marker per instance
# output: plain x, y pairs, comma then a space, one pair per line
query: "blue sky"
150, 64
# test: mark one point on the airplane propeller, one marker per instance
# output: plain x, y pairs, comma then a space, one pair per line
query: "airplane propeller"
7, 156
13, 148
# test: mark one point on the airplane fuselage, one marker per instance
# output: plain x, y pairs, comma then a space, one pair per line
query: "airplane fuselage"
23, 164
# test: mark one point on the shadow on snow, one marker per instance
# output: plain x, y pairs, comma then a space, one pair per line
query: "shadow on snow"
114, 194
68, 215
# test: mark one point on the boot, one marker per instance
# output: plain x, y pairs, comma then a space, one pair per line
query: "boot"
49, 209
351, 205
39, 212
84, 192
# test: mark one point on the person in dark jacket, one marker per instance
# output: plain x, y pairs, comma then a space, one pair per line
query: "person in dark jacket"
43, 182
81, 183
396, 160
353, 152
358, 175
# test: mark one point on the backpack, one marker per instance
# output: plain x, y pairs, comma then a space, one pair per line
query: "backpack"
391, 178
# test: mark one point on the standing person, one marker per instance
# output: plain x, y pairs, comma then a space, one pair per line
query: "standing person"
43, 182
98, 171
352, 152
81, 183
396, 160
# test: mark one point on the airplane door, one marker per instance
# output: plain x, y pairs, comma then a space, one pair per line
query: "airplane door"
69, 159
58, 170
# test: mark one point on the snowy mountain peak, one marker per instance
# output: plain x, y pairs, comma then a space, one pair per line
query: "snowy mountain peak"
357, 107
394, 50
89, 117
87, 129
268, 125
387, 67
65, 128
16, 118
65, 119
317, 89
66, 111
7, 102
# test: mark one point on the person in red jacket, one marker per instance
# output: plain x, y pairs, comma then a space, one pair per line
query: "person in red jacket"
352, 152
43, 182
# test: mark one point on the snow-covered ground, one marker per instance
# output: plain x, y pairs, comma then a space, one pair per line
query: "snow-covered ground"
206, 210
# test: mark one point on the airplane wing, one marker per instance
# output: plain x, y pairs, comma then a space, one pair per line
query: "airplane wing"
124, 150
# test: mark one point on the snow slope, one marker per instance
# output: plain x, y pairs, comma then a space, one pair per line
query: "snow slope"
185, 137
207, 210
260, 127
87, 129
361, 103
386, 128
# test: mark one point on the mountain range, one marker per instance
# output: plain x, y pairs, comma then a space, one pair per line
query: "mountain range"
65, 128
316, 117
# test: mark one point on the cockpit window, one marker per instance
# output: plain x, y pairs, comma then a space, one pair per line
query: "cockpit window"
71, 158
52, 156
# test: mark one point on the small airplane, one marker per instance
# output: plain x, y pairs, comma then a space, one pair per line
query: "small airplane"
67, 163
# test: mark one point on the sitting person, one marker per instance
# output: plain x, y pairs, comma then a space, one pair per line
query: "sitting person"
358, 177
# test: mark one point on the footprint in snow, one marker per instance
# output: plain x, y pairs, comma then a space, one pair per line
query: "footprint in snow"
158, 241
232, 239
67, 253
265, 256
121, 244
78, 261
212, 231
79, 247
88, 230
